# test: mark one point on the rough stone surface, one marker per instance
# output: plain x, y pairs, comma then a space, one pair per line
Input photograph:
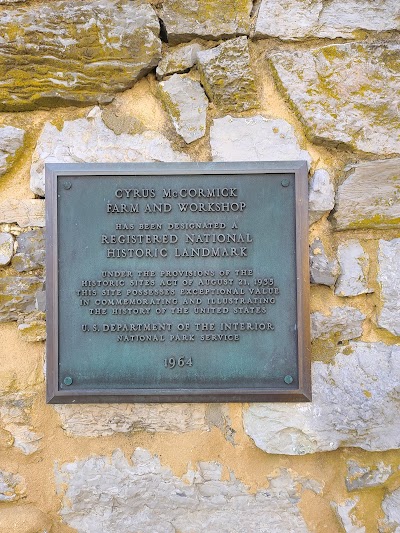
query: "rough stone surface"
209, 19
114, 496
299, 19
355, 404
32, 327
178, 59
187, 105
103, 420
6, 248
345, 93
254, 139
15, 420
12, 487
343, 323
354, 266
226, 76
89, 140
11, 139
30, 252
370, 196
321, 195
75, 53
363, 477
23, 212
389, 279
322, 271
344, 512
391, 508
19, 296
24, 519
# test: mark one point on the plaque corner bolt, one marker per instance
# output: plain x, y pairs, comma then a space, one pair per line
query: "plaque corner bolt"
285, 182
288, 380
68, 380
67, 185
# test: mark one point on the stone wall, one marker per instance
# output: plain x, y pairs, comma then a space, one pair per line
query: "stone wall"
207, 80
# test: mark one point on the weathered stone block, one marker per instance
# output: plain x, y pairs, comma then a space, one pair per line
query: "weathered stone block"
254, 139
116, 496
23, 212
74, 52
345, 514
103, 420
6, 248
227, 77
209, 19
354, 267
343, 324
187, 105
391, 508
355, 403
178, 59
89, 140
299, 19
18, 296
362, 477
345, 93
389, 279
370, 196
322, 271
30, 252
11, 140
33, 327
321, 195
15, 420
12, 487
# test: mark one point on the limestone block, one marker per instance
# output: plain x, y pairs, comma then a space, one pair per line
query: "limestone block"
345, 93
391, 508
187, 105
322, 271
226, 76
389, 279
12, 487
354, 267
344, 512
254, 139
11, 139
101, 420
355, 403
6, 248
15, 420
209, 19
299, 19
178, 59
321, 195
24, 519
343, 323
115, 496
362, 477
19, 296
89, 140
370, 196
74, 53
23, 212
32, 327
31, 251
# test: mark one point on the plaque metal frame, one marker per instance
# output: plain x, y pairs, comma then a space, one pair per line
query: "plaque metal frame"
54, 172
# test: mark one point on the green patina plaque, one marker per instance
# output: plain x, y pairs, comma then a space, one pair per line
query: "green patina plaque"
177, 282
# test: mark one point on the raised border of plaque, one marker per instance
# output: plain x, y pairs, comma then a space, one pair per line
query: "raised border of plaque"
60, 177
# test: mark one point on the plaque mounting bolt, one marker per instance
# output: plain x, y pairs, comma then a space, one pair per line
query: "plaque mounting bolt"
285, 183
288, 380
67, 185
68, 380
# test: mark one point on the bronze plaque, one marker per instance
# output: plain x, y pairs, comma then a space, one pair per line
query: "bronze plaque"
179, 282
